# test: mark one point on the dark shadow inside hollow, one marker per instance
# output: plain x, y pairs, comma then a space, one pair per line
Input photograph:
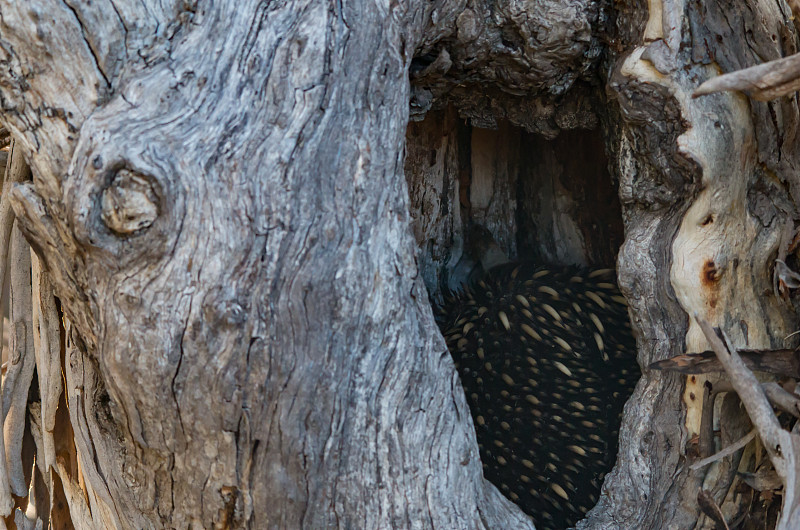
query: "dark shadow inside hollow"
568, 207
544, 350
551, 201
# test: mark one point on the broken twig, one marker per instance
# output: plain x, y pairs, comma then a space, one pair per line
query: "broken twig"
763, 82
727, 451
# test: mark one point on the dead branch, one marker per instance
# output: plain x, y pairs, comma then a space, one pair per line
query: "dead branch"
17, 381
782, 447
16, 171
733, 425
781, 399
46, 341
710, 508
784, 362
764, 82
707, 421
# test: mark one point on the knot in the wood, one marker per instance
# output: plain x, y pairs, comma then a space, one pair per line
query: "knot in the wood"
129, 204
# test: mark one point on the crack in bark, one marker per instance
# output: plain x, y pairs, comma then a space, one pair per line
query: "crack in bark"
88, 44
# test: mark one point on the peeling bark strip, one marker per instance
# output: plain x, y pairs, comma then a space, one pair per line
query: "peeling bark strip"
18, 371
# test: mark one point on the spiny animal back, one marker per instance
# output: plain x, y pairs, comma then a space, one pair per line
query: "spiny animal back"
546, 358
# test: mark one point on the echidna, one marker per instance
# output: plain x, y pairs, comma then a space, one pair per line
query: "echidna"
547, 361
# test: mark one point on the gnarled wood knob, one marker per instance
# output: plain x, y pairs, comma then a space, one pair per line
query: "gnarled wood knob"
130, 203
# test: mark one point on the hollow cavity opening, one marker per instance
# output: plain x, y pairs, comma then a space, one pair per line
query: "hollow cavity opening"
550, 201
542, 341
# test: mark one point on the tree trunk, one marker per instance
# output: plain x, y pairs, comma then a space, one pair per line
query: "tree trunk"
218, 206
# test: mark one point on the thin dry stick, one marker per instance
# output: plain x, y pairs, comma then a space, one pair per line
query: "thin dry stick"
744, 440
782, 447
763, 82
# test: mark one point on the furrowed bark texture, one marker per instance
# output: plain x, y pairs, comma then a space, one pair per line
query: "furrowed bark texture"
516, 60
218, 200
219, 203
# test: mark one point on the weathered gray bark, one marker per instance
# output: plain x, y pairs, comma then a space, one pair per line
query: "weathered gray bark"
707, 188
218, 202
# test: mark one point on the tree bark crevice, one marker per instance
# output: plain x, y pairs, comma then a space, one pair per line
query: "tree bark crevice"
218, 204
